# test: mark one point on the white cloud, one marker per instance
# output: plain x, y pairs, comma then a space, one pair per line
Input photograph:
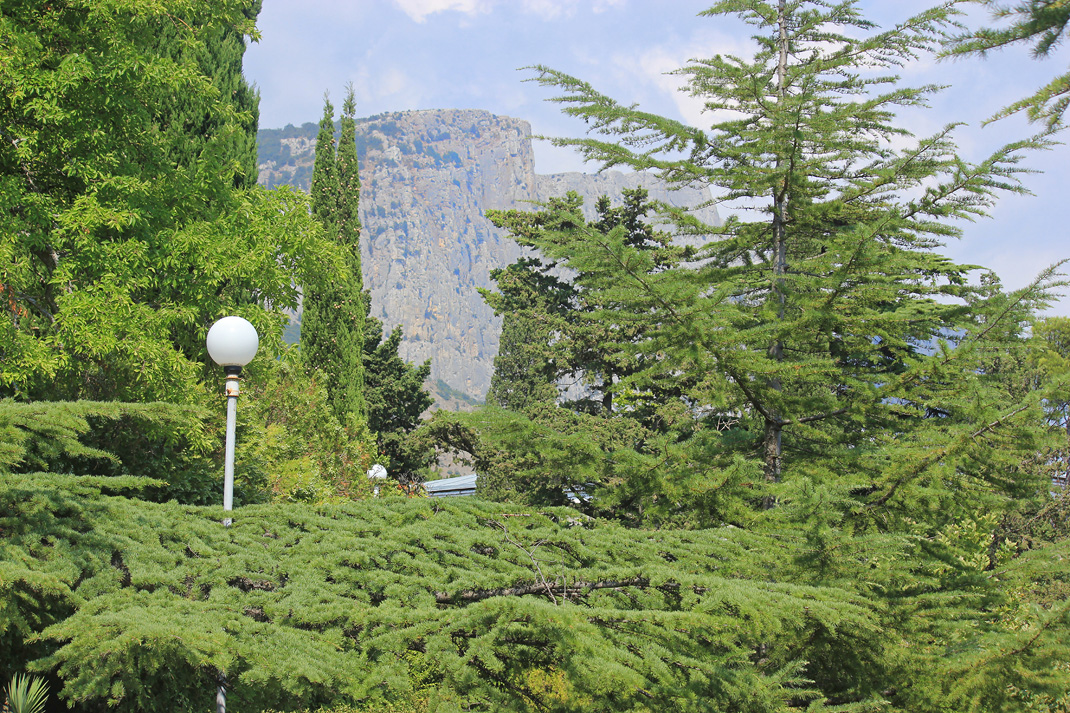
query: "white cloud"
418, 10
656, 65
549, 9
394, 82
390, 86
553, 9
551, 159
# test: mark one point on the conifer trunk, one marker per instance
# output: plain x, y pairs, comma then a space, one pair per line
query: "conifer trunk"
1066, 460
772, 439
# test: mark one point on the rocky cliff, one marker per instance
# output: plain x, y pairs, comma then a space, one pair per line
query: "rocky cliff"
427, 179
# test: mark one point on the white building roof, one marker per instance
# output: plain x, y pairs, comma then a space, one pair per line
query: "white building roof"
461, 485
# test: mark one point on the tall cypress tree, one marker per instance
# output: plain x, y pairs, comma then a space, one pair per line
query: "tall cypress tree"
190, 128
347, 217
332, 329
324, 178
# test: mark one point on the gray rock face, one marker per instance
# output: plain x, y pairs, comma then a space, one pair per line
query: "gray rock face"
427, 179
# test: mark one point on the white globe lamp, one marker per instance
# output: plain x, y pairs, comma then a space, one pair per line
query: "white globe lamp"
232, 343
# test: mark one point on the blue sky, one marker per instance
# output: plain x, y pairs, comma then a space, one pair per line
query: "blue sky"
467, 54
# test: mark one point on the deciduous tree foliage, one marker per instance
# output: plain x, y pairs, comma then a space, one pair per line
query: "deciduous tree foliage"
291, 447
123, 235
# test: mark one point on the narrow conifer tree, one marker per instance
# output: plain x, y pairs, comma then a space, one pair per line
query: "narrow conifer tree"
549, 331
332, 329
347, 226
324, 178
396, 397
347, 217
833, 344
190, 130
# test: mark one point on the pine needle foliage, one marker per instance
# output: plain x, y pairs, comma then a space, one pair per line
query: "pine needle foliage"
58, 436
549, 333
140, 604
397, 400
625, 445
463, 604
533, 305
218, 56
324, 185
820, 335
844, 349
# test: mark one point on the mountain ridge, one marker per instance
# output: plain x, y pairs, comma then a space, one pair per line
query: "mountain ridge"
427, 178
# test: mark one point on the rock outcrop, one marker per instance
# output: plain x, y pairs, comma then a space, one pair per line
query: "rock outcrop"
427, 179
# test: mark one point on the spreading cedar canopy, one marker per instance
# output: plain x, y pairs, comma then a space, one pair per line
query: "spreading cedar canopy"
142, 604
452, 604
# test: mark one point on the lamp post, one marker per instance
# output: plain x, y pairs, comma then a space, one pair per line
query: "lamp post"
376, 474
232, 343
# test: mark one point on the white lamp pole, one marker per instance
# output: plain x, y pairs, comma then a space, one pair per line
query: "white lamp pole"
232, 343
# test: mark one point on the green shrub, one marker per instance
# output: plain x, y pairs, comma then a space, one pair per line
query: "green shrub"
26, 694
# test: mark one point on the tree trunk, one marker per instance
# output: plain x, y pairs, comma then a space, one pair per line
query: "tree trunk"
771, 443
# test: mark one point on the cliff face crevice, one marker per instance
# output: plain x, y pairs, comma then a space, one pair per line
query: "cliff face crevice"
427, 179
